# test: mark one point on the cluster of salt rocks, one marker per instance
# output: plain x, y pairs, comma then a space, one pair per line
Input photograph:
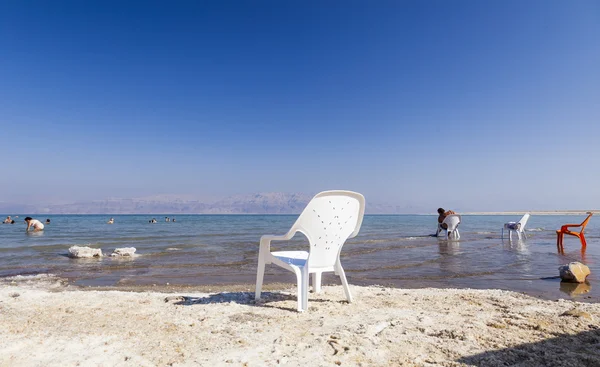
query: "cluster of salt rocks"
88, 252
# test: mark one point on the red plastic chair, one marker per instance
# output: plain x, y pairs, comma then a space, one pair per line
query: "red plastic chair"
565, 230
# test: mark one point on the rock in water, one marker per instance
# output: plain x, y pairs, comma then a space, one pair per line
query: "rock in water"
84, 251
574, 272
124, 251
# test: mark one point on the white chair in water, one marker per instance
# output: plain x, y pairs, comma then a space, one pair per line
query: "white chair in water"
452, 221
328, 220
518, 227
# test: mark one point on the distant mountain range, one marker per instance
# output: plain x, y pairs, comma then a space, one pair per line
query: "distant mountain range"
261, 203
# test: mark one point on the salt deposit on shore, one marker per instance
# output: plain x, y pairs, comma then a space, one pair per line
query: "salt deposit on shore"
124, 251
56, 326
84, 252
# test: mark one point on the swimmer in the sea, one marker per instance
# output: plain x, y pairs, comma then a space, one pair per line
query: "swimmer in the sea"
36, 224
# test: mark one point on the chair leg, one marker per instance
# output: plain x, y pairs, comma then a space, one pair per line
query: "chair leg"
559, 242
583, 241
456, 234
509, 235
305, 297
342, 274
502, 235
316, 282
302, 286
260, 274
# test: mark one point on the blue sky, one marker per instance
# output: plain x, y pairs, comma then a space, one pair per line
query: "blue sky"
473, 105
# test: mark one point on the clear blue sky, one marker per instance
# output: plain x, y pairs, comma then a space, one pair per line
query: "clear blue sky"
472, 105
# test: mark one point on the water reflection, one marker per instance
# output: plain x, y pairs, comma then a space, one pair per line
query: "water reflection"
575, 289
582, 251
448, 247
450, 262
35, 233
519, 246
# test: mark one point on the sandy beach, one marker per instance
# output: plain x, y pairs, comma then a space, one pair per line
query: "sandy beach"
46, 323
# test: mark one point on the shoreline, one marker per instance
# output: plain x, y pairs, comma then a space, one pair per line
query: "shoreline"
46, 323
577, 292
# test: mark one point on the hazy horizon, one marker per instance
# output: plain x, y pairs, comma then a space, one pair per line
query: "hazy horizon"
472, 106
256, 203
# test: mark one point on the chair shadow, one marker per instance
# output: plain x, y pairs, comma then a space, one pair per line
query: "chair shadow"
565, 350
243, 298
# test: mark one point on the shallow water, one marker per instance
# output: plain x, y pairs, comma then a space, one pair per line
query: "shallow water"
390, 250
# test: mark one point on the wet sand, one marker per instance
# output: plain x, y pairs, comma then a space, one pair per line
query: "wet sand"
48, 323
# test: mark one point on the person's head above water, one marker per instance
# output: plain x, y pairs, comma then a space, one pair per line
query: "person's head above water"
27, 219
441, 211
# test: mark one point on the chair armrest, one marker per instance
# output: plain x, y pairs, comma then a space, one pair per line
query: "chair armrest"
265, 241
271, 237
564, 227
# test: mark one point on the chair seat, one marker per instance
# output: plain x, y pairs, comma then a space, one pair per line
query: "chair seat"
297, 258
511, 225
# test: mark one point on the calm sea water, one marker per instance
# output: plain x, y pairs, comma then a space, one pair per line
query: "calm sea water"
390, 250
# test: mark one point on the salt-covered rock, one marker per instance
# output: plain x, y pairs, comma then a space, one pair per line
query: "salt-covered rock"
124, 251
574, 272
577, 313
84, 251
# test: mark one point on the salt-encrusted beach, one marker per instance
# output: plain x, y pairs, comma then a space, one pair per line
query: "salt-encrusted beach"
50, 324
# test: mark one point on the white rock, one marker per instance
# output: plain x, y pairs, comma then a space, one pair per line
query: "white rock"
124, 251
575, 272
84, 251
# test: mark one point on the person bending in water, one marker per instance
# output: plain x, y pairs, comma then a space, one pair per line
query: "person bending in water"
442, 215
36, 224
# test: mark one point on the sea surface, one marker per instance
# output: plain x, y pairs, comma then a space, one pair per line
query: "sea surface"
390, 250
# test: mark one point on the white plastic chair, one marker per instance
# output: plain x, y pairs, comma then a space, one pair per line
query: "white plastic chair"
518, 227
328, 220
452, 221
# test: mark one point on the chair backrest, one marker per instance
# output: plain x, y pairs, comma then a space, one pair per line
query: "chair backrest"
523, 221
329, 219
452, 221
585, 222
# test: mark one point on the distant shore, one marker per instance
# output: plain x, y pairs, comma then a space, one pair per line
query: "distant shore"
532, 212
536, 212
